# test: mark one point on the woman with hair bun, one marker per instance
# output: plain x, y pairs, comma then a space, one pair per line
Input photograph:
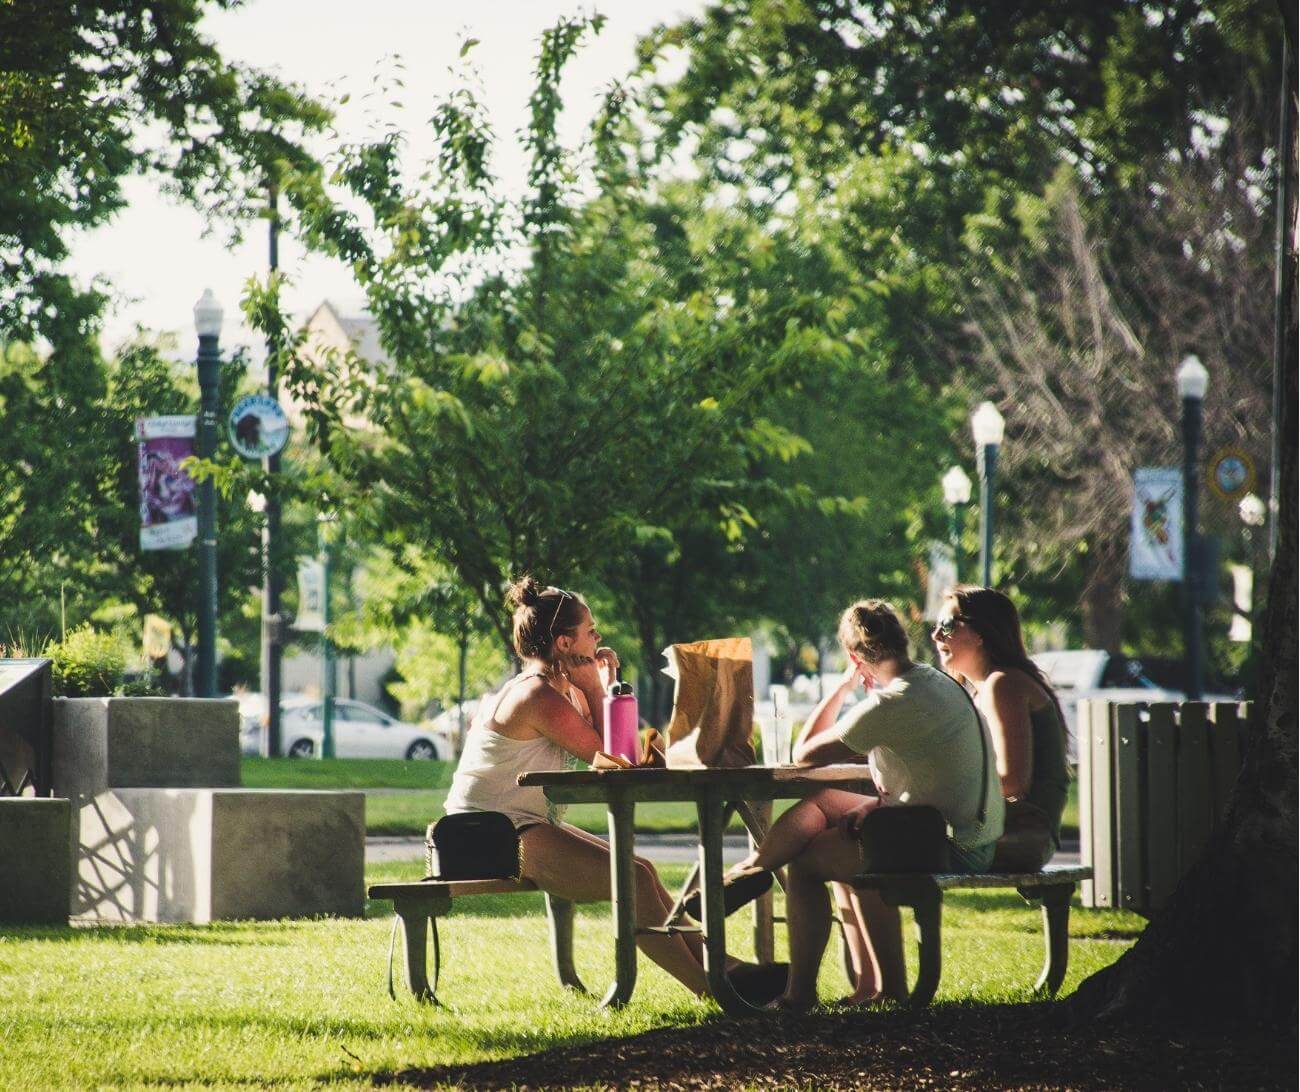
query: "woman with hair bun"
926, 744
978, 639
547, 717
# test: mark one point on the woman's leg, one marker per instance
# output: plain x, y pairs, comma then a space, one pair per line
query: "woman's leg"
884, 930
792, 833
666, 900
562, 863
865, 981
829, 856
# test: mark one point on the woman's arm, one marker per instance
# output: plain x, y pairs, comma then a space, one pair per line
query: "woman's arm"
1006, 706
553, 716
816, 746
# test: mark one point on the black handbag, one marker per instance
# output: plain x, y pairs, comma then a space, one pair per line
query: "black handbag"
473, 845
905, 838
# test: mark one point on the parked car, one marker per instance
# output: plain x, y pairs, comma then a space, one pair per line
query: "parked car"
446, 725
1095, 673
360, 731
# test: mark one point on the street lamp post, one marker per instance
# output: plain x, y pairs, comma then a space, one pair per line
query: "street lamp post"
987, 425
956, 491
1193, 379
207, 323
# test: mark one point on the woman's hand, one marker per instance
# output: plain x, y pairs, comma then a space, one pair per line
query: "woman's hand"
583, 672
851, 820
607, 662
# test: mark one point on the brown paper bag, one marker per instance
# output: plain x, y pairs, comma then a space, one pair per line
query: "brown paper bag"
713, 710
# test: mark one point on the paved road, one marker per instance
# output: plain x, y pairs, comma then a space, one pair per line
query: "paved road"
666, 848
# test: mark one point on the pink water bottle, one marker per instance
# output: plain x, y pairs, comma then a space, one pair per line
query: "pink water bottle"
621, 722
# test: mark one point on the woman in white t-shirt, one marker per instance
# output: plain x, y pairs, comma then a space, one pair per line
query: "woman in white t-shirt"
926, 744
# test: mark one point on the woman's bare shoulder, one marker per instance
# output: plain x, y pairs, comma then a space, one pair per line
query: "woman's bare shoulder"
1012, 682
523, 702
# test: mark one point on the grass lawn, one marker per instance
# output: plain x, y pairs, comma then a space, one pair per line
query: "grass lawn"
410, 812
297, 1004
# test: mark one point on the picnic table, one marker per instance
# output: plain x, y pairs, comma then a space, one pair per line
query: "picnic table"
713, 791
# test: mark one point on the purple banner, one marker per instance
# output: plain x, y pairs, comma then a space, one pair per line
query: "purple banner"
168, 506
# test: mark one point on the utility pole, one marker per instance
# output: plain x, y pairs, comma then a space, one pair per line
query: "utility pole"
272, 622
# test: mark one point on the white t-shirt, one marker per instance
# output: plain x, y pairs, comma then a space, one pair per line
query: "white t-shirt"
922, 737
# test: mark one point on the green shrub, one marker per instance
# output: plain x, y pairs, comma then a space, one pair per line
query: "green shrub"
87, 664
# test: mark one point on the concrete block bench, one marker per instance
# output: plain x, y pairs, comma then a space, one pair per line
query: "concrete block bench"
1053, 887
419, 903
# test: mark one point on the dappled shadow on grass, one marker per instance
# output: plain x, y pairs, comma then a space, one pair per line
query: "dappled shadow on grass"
961, 1046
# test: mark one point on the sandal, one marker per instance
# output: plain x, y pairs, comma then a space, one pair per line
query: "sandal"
737, 891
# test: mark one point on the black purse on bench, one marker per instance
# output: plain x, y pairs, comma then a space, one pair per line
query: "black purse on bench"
473, 845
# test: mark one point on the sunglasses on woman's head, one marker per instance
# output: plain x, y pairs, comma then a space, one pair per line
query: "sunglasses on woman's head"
555, 617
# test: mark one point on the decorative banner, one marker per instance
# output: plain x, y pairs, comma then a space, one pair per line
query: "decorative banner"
258, 427
157, 637
943, 575
1157, 547
168, 506
1231, 473
311, 596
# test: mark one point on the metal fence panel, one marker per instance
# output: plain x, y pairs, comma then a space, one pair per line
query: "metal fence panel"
1195, 796
1130, 877
1161, 840
1103, 838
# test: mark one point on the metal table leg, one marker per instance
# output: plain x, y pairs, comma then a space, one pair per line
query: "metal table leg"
623, 895
712, 821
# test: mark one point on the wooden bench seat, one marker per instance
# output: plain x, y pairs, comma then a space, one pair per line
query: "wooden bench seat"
1053, 887
419, 903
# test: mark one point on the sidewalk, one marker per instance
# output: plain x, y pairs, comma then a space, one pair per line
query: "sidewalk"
663, 848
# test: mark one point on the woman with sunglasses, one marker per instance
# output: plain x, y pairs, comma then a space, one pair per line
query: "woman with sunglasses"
549, 717
978, 640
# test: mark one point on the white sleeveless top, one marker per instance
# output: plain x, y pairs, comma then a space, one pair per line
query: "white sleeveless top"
487, 775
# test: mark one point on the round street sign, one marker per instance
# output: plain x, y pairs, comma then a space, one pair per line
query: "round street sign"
258, 427
1231, 473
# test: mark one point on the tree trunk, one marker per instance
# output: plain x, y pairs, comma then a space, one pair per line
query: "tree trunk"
1103, 606
1225, 949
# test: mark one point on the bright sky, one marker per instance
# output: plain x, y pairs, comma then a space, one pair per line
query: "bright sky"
155, 253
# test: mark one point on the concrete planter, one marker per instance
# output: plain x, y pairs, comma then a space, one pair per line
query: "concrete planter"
165, 832
122, 743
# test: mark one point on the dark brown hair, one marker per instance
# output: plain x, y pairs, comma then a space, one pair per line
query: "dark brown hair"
871, 628
992, 615
541, 614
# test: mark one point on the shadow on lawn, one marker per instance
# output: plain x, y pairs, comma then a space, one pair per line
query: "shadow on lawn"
958, 1046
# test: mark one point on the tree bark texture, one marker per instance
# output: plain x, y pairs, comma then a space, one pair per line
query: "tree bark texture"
1103, 595
1225, 949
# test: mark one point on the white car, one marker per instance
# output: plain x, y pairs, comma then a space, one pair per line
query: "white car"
360, 731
